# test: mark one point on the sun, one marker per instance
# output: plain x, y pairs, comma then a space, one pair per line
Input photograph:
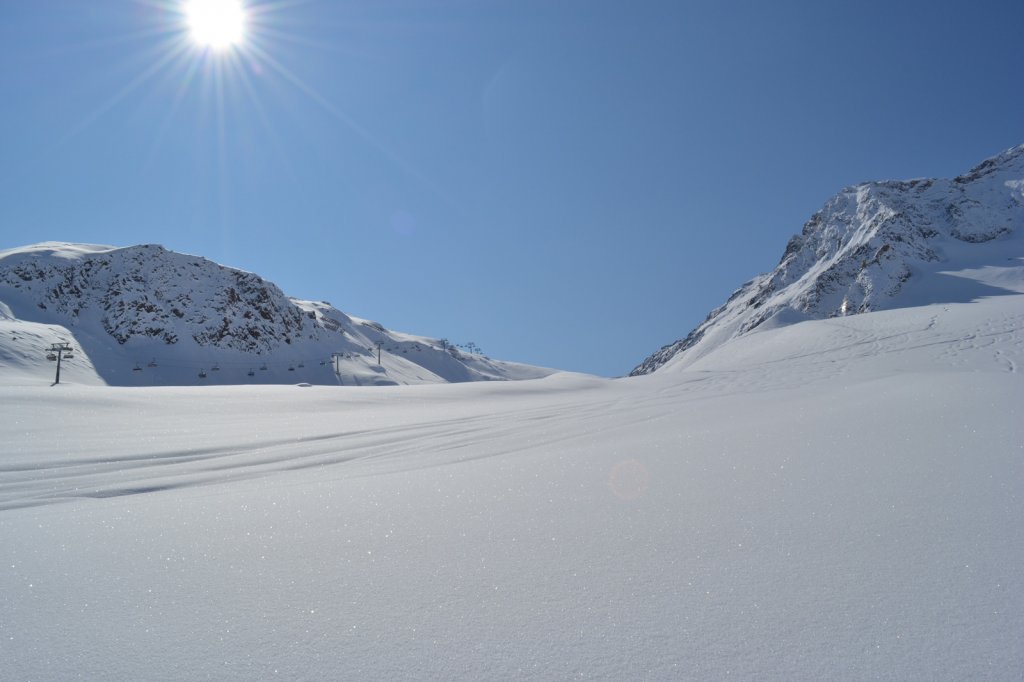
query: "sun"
217, 24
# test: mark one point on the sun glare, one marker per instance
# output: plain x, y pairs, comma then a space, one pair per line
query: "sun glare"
217, 24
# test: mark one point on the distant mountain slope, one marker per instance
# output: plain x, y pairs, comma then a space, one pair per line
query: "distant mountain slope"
875, 246
143, 315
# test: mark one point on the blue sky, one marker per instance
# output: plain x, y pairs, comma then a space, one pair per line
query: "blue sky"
571, 183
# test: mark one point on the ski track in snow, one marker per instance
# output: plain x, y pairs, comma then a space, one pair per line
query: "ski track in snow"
401, 447
363, 452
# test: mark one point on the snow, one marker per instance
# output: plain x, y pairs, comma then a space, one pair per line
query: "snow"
62, 250
830, 499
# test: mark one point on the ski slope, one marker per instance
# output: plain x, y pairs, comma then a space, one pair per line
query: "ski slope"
834, 499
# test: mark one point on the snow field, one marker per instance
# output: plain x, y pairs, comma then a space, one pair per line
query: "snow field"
836, 499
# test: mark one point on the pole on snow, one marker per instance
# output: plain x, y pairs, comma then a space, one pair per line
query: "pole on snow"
336, 357
59, 349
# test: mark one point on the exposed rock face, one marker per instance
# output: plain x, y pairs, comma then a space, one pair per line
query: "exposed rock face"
859, 252
148, 291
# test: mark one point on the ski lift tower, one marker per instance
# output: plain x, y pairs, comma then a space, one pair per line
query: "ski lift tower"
58, 351
336, 359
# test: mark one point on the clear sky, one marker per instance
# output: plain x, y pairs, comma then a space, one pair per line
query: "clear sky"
570, 183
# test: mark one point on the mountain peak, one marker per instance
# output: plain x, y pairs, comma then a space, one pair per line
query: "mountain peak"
1011, 161
145, 315
873, 246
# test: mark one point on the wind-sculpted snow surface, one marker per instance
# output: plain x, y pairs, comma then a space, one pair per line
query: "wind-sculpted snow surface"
876, 246
146, 316
834, 499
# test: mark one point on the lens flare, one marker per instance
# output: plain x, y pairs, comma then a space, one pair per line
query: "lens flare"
629, 479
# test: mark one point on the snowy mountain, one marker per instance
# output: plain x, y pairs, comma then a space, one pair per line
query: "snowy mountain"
878, 246
143, 316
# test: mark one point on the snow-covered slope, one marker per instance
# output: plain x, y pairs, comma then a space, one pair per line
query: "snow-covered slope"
879, 246
835, 499
145, 316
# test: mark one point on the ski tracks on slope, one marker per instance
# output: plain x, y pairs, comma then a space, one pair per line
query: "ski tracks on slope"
340, 454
